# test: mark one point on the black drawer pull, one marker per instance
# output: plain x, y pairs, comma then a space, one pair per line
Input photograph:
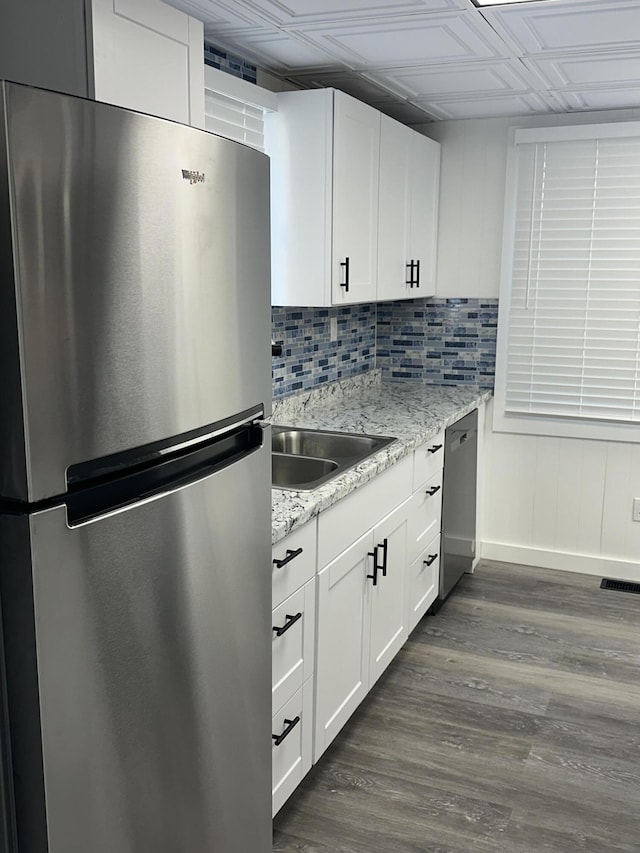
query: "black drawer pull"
290, 620
291, 555
417, 273
434, 449
345, 283
431, 492
431, 558
290, 725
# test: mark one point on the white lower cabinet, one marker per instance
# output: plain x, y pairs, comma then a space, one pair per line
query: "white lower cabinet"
292, 659
362, 622
334, 633
291, 744
422, 582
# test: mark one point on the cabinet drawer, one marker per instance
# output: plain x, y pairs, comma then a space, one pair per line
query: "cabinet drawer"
423, 582
292, 635
291, 757
428, 459
425, 514
341, 525
297, 552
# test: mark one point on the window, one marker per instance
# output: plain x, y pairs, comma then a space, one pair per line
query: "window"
235, 108
569, 326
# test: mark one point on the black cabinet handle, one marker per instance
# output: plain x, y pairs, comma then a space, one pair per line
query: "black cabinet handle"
383, 567
434, 449
290, 555
376, 567
410, 265
290, 620
431, 492
417, 281
289, 727
345, 283
431, 558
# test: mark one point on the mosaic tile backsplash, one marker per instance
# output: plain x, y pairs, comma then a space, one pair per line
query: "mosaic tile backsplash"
440, 341
310, 357
217, 58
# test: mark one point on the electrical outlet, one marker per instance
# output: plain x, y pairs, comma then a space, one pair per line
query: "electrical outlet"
333, 328
636, 509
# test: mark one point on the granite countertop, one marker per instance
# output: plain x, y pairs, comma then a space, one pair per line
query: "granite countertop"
412, 412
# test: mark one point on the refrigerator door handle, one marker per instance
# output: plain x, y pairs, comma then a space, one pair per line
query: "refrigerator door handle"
150, 481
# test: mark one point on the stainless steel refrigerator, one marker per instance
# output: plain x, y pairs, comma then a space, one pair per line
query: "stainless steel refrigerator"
134, 483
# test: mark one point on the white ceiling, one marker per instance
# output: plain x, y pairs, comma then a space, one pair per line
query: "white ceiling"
420, 60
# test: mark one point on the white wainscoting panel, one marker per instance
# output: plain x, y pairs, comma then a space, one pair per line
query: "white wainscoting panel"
561, 502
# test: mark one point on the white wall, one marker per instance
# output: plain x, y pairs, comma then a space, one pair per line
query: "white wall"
556, 502
472, 176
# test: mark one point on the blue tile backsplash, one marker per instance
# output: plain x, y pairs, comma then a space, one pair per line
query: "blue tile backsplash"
217, 58
310, 357
441, 341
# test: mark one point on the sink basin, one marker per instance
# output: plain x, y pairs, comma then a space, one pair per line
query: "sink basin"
325, 445
304, 459
300, 472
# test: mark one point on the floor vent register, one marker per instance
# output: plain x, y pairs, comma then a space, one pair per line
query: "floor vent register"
620, 586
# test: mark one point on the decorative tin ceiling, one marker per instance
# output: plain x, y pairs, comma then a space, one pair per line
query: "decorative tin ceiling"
421, 60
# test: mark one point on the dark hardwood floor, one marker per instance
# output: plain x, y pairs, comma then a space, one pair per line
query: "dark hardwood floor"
510, 721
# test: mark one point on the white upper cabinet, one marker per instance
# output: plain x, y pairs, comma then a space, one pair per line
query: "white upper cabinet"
356, 157
148, 56
423, 220
324, 148
139, 54
354, 201
407, 225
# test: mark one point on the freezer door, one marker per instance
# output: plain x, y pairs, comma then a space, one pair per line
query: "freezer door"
150, 628
136, 306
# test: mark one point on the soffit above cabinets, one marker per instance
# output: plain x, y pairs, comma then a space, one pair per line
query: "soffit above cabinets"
423, 60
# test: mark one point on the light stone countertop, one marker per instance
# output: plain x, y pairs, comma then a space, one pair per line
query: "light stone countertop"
410, 411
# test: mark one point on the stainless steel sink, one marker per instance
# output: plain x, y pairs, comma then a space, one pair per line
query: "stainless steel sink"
299, 472
304, 459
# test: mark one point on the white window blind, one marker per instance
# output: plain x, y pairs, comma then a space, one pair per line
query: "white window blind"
235, 108
573, 322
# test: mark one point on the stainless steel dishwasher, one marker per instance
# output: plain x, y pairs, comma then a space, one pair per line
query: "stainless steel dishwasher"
458, 502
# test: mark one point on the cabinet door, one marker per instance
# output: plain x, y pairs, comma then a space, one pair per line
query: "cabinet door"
425, 184
343, 625
396, 149
356, 153
388, 598
148, 56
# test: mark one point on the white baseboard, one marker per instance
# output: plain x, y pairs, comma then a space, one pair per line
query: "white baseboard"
584, 563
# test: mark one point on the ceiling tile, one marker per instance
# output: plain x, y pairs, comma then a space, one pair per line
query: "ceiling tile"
287, 13
590, 68
540, 27
279, 51
600, 99
512, 105
219, 16
446, 80
407, 41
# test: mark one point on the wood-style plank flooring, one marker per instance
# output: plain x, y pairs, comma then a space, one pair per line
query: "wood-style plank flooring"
510, 721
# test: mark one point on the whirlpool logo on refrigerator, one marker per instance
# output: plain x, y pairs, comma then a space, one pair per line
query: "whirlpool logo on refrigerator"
192, 176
